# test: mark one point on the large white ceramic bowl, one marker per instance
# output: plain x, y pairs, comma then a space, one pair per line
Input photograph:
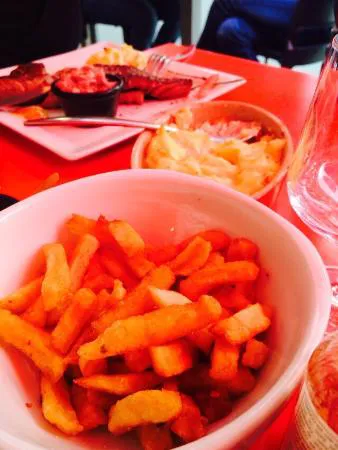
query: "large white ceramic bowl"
166, 207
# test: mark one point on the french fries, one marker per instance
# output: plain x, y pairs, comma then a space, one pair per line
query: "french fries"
89, 368
213, 405
101, 231
144, 408
90, 415
117, 267
215, 259
87, 335
255, 355
189, 425
95, 268
56, 283
99, 282
243, 325
242, 249
140, 265
224, 360
163, 297
126, 237
121, 384
83, 253
100, 399
138, 300
217, 238
127, 336
173, 358
119, 291
76, 316
154, 437
154, 328
117, 366
202, 339
203, 281
192, 258
19, 301
33, 342
127, 250
36, 313
79, 225
162, 255
170, 384
196, 379
106, 300
242, 383
57, 408
232, 298
52, 180
138, 360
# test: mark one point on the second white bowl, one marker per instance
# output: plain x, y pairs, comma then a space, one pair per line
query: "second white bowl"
232, 110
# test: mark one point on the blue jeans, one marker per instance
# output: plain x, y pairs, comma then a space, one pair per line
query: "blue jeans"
138, 19
234, 26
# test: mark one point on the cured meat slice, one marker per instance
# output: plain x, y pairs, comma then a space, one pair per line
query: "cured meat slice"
155, 87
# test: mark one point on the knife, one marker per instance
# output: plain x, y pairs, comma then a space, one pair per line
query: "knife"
112, 121
96, 122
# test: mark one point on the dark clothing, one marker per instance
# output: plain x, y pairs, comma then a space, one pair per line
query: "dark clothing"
169, 12
234, 26
34, 29
138, 19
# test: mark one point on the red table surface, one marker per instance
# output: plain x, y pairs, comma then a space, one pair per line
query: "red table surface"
24, 164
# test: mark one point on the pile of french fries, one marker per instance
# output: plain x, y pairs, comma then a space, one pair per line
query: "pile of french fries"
127, 336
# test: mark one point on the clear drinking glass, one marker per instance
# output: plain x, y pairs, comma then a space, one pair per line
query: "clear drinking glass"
313, 176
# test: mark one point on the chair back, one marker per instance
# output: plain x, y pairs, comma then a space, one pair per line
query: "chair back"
308, 36
312, 22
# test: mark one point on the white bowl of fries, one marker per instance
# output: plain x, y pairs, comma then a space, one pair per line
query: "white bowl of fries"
253, 161
127, 316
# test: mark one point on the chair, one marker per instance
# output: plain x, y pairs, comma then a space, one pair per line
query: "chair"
92, 33
308, 36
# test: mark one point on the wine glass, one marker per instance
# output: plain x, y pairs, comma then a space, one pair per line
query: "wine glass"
313, 176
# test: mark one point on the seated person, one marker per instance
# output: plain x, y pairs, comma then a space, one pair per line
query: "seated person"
169, 13
234, 26
138, 18
34, 29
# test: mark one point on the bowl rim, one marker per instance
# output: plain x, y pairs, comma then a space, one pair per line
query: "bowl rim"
264, 408
139, 148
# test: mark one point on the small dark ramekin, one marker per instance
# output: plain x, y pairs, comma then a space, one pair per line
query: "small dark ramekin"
91, 104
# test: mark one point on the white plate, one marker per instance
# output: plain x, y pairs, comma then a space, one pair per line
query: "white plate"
74, 143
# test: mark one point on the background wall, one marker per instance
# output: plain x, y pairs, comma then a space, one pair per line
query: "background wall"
200, 9
109, 33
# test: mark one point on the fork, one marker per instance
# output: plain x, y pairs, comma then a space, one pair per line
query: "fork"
157, 63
